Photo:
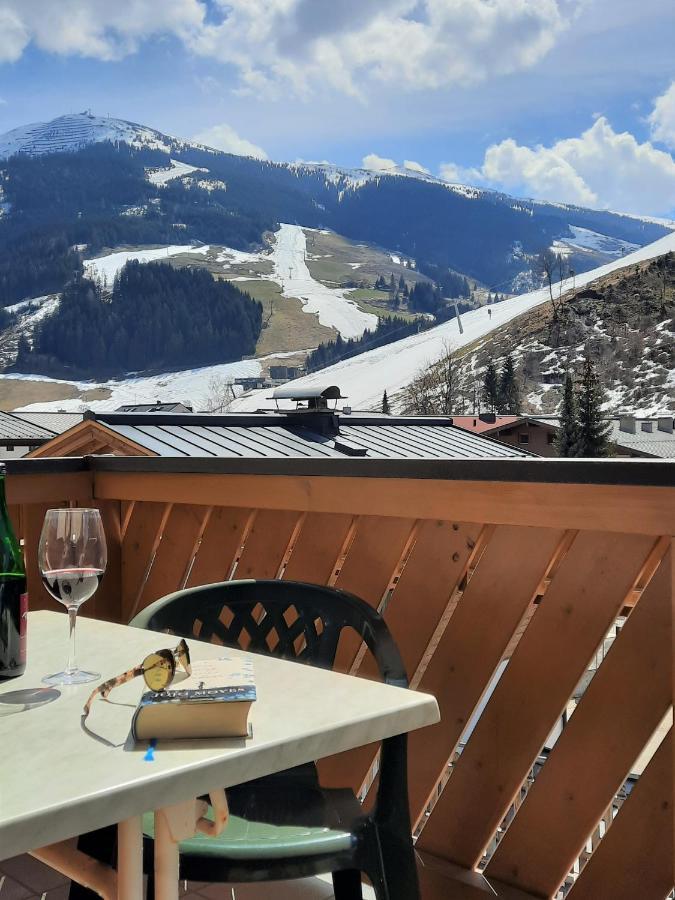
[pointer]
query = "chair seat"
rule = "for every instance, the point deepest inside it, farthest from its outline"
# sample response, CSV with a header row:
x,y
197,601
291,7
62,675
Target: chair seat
x,y
241,839
285,815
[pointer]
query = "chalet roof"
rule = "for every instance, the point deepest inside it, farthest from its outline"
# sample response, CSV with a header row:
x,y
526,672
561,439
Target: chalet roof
x,y
13,427
484,424
652,436
300,435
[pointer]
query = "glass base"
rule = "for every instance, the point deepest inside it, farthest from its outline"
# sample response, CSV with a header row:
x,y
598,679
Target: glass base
x,y
77,676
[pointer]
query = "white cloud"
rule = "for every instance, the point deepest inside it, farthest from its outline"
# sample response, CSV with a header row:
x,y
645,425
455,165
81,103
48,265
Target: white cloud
x,y
377,163
662,117
95,28
600,168
414,166
299,45
224,137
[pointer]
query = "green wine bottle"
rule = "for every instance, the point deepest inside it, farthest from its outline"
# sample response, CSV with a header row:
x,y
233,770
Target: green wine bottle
x,y
13,595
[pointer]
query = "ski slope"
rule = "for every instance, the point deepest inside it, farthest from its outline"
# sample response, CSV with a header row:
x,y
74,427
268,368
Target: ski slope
x,y
363,379
107,267
331,305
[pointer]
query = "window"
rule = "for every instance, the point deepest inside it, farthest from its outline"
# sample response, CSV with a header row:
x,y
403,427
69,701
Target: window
x,y
550,438
523,438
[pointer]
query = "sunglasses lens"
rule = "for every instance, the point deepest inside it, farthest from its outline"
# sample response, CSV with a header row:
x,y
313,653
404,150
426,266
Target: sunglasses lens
x,y
157,671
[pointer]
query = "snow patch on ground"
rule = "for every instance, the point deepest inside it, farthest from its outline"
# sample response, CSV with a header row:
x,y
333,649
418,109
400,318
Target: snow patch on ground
x,y
191,385
176,169
585,239
395,259
106,267
364,378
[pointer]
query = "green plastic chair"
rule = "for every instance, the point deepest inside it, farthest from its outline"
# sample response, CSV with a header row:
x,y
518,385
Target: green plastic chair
x,y
287,825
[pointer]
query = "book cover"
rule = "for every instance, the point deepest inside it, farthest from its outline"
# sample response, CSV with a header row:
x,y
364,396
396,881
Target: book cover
x,y
214,701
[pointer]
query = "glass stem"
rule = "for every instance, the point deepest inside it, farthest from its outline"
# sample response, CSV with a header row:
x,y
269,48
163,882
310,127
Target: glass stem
x,y
72,619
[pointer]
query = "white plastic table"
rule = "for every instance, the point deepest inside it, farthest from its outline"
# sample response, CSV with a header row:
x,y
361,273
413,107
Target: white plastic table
x,y
58,780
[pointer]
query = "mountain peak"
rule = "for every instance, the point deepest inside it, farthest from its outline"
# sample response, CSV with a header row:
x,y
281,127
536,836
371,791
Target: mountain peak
x,y
74,131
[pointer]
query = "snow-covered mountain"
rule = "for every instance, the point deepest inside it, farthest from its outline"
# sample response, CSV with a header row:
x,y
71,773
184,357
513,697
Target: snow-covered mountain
x,y
67,134
126,191
364,378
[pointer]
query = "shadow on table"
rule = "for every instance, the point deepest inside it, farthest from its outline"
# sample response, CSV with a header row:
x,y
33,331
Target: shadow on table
x,y
26,699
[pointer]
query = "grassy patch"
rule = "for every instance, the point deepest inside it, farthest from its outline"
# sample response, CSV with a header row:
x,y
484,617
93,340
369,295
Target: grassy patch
x,y
20,393
289,328
334,254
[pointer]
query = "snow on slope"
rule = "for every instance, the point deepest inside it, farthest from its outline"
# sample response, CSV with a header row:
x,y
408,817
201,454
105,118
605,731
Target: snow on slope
x,y
175,170
585,239
106,267
70,133
333,306
190,385
363,379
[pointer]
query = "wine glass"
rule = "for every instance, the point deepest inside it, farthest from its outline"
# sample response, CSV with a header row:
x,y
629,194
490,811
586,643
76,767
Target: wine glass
x,y
72,557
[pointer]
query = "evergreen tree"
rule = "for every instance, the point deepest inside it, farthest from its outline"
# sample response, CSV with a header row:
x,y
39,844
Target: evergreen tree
x,y
509,392
385,404
401,283
593,430
491,387
567,439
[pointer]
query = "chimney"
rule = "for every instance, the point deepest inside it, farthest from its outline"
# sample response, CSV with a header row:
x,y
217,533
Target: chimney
x,y
627,424
488,418
665,423
316,415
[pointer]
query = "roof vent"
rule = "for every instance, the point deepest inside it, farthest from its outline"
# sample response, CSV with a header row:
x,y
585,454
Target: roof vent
x,y
488,418
627,424
315,415
316,397
665,423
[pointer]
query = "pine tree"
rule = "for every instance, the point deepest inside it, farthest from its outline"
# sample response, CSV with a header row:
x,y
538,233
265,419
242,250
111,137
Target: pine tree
x,y
567,439
401,283
509,392
491,387
593,430
385,404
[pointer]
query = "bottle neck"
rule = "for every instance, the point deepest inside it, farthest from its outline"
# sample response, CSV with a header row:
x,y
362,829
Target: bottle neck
x,y
11,558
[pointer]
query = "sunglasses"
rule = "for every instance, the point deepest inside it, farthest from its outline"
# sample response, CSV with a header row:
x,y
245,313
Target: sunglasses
x,y
158,670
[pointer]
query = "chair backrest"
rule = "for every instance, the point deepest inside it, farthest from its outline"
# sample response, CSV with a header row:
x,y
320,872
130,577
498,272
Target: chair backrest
x,y
289,619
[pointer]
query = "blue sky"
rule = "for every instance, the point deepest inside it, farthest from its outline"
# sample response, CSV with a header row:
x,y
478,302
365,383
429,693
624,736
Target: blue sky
x,y
568,100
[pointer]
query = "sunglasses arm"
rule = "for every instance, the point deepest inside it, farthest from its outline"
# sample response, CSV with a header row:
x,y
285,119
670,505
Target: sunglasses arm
x,y
107,686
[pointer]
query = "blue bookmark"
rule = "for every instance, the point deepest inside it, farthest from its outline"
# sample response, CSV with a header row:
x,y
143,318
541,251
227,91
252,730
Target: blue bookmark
x,y
150,752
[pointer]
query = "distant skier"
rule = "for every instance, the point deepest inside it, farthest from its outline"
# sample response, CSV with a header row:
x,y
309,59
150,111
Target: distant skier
x,y
489,313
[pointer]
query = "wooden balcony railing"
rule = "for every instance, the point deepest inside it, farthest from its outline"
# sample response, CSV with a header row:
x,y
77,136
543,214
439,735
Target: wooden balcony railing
x,y
473,562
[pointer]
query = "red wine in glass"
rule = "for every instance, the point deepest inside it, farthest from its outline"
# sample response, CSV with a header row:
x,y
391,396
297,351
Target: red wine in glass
x,y
72,586
72,558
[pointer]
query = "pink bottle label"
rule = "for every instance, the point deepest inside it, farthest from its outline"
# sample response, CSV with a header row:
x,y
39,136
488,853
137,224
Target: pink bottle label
x,y
23,627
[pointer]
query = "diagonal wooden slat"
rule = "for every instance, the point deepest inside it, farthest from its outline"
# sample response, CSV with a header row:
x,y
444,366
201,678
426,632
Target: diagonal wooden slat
x,y
368,569
318,547
174,552
107,601
619,712
220,543
141,538
267,543
436,564
635,857
587,592
469,652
